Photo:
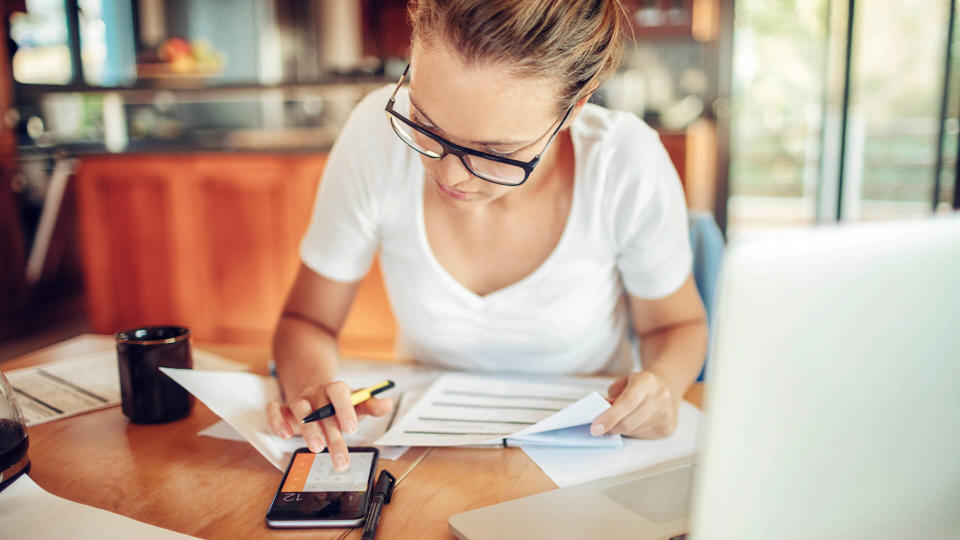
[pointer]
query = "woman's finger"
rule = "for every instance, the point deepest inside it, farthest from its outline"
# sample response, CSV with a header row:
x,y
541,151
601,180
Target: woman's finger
x,y
375,407
336,444
616,388
632,396
638,420
277,421
338,393
311,431
292,420
656,417
659,429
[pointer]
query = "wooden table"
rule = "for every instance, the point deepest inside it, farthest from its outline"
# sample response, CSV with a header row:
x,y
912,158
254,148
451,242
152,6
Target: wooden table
x,y
168,476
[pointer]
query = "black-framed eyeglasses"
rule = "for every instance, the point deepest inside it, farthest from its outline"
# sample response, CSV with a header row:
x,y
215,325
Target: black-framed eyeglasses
x,y
490,167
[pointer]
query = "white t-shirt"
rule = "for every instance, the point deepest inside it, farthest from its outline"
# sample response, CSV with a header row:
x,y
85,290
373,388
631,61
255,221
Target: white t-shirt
x,y
627,230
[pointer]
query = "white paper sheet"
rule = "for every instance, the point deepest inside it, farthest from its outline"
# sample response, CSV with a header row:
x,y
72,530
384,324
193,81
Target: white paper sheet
x,y
568,466
82,384
461,409
240,399
223,430
573,436
26,508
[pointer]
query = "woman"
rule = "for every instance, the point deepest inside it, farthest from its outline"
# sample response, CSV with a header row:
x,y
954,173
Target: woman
x,y
520,229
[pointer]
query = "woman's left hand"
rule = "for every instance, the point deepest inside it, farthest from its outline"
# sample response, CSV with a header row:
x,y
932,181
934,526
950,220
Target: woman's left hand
x,y
643,407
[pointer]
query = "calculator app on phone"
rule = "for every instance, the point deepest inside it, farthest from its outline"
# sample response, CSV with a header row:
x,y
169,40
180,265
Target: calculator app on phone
x,y
315,472
315,494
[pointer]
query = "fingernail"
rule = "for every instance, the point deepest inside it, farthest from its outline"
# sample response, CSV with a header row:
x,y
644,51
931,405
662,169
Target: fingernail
x,y
340,462
315,444
351,427
286,434
597,429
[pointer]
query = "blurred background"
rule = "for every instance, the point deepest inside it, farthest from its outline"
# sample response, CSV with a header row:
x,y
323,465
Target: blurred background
x,y
159,158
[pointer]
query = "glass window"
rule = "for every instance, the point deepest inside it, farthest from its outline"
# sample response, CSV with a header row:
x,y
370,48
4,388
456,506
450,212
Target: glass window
x,y
777,109
951,140
784,148
896,86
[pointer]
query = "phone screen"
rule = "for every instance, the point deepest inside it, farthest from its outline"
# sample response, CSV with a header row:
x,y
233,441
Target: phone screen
x,y
313,490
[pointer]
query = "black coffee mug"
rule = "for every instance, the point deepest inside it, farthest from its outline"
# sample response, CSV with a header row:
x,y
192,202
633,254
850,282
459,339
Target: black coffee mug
x,y
149,396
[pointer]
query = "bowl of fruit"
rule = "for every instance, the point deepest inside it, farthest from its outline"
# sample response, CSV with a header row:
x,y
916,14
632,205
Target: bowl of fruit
x,y
180,61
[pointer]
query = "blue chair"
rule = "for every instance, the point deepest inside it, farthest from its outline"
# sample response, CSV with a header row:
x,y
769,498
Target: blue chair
x,y
707,243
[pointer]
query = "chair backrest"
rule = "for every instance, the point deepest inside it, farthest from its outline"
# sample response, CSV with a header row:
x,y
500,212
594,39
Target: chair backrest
x,y
707,244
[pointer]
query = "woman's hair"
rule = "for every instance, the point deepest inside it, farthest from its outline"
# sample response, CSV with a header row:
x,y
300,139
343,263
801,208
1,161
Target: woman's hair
x,y
576,42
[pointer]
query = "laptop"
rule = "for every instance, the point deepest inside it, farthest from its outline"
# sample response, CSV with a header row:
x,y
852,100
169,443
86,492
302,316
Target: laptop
x,y
833,403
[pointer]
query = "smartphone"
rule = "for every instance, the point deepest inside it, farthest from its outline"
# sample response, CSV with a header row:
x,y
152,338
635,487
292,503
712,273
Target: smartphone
x,y
314,494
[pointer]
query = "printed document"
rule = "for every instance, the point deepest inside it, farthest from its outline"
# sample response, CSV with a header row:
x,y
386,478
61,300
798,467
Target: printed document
x,y
568,466
461,409
82,384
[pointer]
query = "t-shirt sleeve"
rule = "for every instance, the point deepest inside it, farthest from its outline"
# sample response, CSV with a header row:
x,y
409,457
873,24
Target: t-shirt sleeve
x,y
650,219
344,230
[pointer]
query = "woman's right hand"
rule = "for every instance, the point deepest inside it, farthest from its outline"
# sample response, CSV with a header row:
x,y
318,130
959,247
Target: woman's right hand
x,y
284,418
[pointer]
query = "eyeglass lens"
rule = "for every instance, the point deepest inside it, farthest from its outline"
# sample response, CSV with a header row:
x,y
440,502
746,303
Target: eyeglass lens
x,y
482,167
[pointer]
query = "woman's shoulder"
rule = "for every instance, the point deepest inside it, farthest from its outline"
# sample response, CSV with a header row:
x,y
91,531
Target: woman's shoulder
x,y
367,120
368,166
615,130
368,143
627,168
621,151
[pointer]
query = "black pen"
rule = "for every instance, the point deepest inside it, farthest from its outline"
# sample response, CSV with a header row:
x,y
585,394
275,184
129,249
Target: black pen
x,y
381,496
355,398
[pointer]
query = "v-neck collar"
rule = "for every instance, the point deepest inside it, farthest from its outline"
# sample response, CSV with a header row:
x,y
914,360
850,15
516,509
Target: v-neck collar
x,y
544,267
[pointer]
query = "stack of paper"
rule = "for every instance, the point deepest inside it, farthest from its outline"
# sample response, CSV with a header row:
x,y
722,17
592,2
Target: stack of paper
x,y
81,384
463,409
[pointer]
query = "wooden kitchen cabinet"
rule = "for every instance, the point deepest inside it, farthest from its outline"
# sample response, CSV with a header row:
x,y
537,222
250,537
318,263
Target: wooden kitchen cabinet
x,y
675,143
209,241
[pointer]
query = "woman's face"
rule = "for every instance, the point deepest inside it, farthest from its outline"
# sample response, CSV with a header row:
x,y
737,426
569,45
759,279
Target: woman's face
x,y
482,107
